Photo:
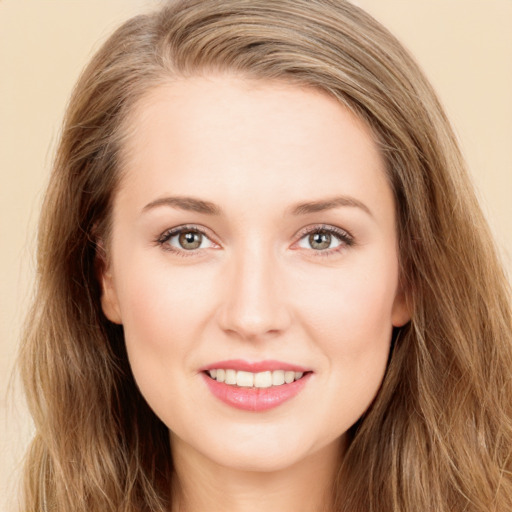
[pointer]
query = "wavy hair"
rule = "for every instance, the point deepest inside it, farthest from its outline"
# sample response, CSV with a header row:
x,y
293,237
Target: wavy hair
x,y
438,436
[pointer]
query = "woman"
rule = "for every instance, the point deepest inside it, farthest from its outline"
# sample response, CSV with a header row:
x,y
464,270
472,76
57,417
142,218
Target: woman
x,y
265,282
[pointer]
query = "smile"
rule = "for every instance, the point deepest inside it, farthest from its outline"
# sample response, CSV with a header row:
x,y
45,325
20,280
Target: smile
x,y
245,379
255,386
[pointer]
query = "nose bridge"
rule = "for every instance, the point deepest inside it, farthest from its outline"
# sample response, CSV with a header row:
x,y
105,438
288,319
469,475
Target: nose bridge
x,y
255,303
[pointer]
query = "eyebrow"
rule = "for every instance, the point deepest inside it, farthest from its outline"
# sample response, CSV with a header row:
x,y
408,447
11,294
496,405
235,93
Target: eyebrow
x,y
209,208
185,203
328,204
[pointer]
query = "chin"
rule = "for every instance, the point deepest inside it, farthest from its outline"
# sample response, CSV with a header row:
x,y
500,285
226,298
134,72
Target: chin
x,y
263,450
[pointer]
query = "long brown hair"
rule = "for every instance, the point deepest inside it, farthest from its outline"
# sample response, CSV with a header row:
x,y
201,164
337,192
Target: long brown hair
x,y
438,436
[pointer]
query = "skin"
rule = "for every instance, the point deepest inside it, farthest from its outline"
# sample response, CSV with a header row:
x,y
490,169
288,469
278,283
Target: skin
x,y
256,288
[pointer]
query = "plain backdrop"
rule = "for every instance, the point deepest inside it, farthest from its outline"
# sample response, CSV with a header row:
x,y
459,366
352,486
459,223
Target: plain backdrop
x,y
464,46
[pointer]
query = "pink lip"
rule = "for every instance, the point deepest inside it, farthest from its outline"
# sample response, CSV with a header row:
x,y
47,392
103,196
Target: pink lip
x,y
254,367
255,399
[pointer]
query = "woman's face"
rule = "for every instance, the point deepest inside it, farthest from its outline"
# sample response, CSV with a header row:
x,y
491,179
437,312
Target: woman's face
x,y
253,237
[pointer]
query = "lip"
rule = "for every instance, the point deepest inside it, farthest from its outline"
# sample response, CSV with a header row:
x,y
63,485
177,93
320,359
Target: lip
x,y
255,399
254,366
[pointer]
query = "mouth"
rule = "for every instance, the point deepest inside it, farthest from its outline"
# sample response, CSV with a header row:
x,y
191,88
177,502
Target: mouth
x,y
260,380
255,386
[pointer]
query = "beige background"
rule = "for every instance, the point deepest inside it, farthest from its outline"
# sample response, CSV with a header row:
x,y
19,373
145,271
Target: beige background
x,y
465,47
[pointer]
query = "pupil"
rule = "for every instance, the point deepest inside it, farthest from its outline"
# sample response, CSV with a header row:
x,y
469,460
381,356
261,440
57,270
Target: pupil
x,y
190,240
320,240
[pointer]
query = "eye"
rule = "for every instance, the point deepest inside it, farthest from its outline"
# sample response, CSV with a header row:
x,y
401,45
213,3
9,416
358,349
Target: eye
x,y
325,239
185,239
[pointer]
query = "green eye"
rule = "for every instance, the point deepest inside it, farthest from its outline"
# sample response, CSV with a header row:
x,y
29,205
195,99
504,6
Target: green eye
x,y
185,239
190,240
320,240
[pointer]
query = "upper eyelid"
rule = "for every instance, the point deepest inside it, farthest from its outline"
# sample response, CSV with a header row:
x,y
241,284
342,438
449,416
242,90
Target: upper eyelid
x,y
323,227
187,227
301,232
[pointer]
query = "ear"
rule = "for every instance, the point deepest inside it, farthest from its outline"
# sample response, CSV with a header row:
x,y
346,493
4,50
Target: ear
x,y
109,301
401,312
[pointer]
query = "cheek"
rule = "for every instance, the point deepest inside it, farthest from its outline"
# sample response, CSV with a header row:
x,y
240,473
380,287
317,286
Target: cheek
x,y
351,308
162,310
349,318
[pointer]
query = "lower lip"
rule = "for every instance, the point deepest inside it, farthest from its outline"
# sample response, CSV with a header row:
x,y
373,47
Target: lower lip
x,y
255,399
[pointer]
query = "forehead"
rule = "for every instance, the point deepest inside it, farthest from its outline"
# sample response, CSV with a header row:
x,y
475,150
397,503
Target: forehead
x,y
253,137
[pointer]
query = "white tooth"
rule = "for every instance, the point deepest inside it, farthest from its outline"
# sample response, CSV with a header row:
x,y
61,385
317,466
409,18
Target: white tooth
x,y
213,374
277,377
230,377
263,379
298,375
221,375
245,379
289,377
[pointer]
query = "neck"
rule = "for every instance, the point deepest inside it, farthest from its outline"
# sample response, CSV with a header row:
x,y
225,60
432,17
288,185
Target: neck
x,y
200,484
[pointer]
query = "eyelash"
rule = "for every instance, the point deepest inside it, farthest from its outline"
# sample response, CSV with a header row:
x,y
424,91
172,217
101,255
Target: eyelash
x,y
167,235
345,238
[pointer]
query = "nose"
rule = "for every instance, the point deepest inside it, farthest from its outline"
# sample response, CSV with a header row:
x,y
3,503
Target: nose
x,y
254,305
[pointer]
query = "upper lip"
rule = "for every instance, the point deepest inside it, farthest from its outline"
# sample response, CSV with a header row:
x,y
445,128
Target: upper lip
x,y
254,366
